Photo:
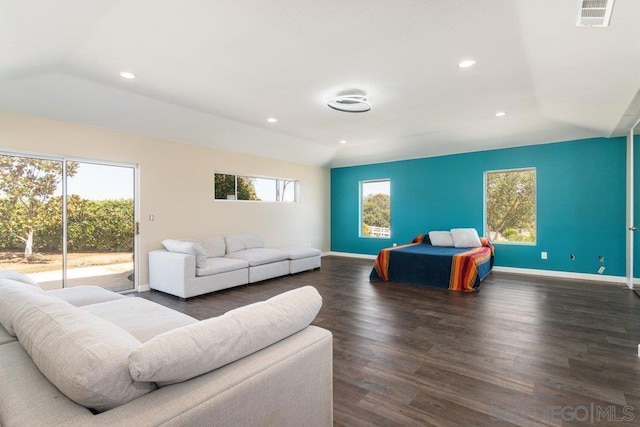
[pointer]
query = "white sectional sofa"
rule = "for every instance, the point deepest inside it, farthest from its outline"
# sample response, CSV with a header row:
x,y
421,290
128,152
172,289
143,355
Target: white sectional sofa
x,y
86,356
196,266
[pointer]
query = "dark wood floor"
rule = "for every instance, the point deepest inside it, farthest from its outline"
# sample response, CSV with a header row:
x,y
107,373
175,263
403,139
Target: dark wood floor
x,y
522,351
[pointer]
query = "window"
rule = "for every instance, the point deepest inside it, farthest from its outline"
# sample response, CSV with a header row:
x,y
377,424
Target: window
x,y
375,208
239,187
510,206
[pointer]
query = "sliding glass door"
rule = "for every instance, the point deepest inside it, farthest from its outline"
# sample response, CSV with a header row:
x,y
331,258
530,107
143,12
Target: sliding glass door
x,y
68,223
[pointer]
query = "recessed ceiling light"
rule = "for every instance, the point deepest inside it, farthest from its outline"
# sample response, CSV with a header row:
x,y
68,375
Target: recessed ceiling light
x,y
501,113
127,75
467,63
343,141
350,103
272,120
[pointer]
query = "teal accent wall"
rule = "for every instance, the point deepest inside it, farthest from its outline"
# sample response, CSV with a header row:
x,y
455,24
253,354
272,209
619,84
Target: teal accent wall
x,y
580,202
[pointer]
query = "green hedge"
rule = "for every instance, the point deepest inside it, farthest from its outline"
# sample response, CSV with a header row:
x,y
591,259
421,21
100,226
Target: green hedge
x,y
93,226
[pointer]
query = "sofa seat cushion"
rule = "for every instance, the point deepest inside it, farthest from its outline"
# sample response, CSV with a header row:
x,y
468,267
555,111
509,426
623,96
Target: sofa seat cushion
x,y
84,356
142,318
213,246
300,252
259,256
13,295
221,265
240,242
193,350
85,295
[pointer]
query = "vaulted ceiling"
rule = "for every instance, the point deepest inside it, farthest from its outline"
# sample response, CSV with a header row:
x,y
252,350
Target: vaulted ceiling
x,y
210,72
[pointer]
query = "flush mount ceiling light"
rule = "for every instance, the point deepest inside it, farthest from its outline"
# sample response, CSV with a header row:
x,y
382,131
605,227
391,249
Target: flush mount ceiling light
x,y
501,113
343,141
350,103
467,63
127,75
272,120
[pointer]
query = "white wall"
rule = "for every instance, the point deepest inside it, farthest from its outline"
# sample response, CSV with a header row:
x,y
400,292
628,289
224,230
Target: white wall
x,y
176,184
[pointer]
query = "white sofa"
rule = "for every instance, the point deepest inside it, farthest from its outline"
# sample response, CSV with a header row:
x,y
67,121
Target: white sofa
x,y
196,266
86,356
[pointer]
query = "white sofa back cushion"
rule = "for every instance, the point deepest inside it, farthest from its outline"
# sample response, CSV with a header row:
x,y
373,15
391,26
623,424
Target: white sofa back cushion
x,y
240,242
186,247
13,295
84,356
193,350
213,246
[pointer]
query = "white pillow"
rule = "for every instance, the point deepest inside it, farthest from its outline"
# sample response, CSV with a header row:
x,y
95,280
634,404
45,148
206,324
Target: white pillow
x,y
185,247
13,295
465,238
192,350
14,275
441,238
84,356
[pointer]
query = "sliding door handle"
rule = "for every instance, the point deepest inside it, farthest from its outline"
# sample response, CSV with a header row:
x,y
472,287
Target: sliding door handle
x,y
633,228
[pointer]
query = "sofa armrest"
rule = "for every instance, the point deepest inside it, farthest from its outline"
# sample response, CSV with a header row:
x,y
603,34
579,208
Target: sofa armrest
x,y
171,272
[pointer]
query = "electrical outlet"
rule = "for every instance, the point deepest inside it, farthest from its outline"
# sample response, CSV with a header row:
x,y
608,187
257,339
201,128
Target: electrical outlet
x,y
600,258
543,255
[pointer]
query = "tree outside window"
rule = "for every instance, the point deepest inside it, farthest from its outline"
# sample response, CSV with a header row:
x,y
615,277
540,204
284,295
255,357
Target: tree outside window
x,y
510,206
375,209
238,187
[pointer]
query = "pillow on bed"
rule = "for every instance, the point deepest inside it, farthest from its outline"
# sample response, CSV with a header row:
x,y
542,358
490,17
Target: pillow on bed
x,y
465,238
441,238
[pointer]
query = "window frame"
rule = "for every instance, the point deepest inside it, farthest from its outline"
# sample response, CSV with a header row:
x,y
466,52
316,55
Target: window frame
x,y
277,181
535,208
360,206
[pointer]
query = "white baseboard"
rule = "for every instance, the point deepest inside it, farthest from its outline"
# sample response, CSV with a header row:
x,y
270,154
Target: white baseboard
x,y
143,288
527,271
350,255
563,275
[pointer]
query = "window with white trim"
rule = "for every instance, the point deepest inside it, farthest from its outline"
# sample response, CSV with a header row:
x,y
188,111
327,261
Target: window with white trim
x,y
510,206
375,208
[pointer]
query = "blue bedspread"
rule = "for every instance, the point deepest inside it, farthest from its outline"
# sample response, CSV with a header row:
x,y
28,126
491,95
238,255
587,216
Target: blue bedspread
x,y
424,264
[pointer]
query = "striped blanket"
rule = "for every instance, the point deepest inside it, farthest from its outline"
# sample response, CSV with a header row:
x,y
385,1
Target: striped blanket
x,y
458,269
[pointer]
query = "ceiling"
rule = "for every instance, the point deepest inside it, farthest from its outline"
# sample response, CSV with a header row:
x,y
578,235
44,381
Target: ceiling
x,y
210,72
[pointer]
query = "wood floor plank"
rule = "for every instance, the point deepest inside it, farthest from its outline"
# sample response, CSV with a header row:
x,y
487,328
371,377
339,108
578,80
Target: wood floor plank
x,y
519,352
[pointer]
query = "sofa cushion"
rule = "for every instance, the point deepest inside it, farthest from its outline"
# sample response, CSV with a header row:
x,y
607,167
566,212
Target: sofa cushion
x,y
19,277
85,295
13,295
84,356
185,247
300,252
193,350
213,246
5,337
221,265
140,317
259,256
240,242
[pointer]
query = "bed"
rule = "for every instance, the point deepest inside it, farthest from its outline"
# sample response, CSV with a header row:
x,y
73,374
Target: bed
x,y
421,263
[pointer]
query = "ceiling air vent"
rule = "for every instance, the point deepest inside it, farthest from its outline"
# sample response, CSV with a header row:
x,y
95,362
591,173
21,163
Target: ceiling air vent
x,y
594,13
